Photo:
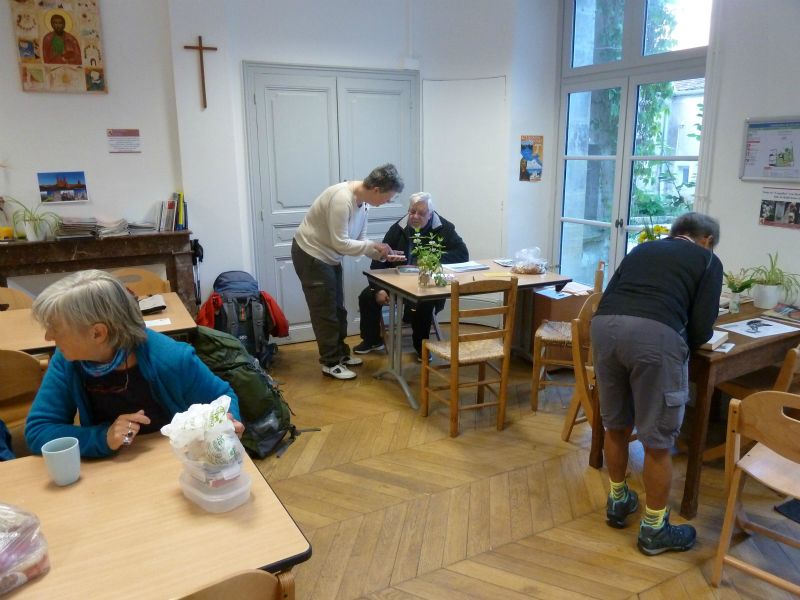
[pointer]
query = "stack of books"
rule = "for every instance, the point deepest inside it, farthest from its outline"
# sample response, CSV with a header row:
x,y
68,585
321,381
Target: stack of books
x,y
112,228
77,227
172,214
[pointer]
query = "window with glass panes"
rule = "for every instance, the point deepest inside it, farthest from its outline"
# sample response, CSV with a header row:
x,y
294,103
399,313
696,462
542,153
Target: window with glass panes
x,y
631,122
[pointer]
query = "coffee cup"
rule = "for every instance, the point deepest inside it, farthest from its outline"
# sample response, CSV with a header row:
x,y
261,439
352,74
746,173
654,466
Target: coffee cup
x,y
63,459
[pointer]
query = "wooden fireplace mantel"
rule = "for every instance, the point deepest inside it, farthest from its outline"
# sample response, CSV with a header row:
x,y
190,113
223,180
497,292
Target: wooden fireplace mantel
x,y
171,249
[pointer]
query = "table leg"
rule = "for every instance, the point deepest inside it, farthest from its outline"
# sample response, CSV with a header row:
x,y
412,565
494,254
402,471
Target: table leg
x,y
395,358
705,378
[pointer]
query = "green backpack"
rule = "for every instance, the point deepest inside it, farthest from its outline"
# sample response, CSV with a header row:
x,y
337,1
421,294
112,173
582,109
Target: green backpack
x,y
265,414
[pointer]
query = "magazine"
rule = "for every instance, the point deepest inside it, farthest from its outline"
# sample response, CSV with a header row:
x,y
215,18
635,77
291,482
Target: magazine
x,y
784,312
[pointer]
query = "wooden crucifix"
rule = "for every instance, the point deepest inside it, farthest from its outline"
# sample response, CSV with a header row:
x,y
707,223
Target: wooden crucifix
x,y
200,49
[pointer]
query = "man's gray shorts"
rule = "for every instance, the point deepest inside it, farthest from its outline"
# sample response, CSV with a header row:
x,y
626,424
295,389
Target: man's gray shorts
x,y
642,369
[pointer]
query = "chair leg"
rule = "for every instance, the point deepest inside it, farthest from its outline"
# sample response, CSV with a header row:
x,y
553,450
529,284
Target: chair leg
x,y
727,526
453,399
501,399
481,377
571,416
536,376
424,377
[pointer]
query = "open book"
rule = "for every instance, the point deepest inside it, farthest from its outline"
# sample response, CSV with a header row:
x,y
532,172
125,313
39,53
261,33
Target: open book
x,y
152,304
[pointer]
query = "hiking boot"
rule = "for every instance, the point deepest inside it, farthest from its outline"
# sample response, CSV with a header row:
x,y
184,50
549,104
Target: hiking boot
x,y
668,537
618,510
339,372
366,347
351,361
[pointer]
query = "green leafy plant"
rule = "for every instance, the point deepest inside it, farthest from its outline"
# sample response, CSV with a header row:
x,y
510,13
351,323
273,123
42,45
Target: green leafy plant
x,y
772,274
738,282
428,250
36,218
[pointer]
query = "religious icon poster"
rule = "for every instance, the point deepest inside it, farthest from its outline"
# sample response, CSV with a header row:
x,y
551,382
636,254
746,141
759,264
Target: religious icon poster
x,y
59,45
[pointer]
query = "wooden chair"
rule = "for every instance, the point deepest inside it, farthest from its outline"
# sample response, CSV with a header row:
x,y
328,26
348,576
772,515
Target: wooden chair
x,y
774,461
554,334
141,281
582,366
777,378
471,349
20,377
14,299
246,585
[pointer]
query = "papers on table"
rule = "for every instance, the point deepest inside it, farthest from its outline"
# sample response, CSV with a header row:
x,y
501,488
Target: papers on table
x,y
577,289
462,267
504,262
157,322
758,328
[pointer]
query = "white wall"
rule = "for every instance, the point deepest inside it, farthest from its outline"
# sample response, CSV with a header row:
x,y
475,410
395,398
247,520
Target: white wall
x,y
758,76
67,132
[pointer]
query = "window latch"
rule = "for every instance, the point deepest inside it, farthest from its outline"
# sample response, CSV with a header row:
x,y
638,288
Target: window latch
x,y
619,223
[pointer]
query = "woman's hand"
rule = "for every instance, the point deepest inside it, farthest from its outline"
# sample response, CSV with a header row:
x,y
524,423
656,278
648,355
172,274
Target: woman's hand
x,y
238,427
124,429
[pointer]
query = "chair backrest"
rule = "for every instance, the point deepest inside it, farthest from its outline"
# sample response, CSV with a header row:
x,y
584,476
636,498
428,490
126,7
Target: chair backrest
x,y
247,585
141,281
20,377
506,310
14,298
789,370
582,343
599,275
763,417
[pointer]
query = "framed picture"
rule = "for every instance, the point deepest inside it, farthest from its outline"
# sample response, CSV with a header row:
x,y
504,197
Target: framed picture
x,y
62,186
769,147
59,45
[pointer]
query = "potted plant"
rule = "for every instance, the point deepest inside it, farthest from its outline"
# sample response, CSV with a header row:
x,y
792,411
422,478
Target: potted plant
x,y
770,280
737,283
37,223
428,250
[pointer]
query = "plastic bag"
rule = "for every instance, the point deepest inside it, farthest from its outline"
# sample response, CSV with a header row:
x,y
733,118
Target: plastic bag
x,y
204,439
529,261
23,549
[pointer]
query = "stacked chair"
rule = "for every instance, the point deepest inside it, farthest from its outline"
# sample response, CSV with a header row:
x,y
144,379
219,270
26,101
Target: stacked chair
x,y
550,335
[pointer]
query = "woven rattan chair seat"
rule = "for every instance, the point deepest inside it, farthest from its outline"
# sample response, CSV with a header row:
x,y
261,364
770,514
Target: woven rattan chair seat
x,y
469,352
555,332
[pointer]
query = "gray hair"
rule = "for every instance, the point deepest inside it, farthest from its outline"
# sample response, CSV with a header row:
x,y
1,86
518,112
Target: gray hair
x,y
88,297
697,226
421,197
384,179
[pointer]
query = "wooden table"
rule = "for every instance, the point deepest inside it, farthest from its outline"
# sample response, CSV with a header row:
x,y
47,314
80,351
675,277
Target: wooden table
x,y
706,370
125,530
20,331
404,288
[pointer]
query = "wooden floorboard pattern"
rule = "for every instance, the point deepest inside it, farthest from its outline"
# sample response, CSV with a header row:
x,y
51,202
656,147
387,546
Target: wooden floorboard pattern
x,y
395,509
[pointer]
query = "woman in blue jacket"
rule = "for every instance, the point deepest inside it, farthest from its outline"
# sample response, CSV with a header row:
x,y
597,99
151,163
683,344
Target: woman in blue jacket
x,y
121,378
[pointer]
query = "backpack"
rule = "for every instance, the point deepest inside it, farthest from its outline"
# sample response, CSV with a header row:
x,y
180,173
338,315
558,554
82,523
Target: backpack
x,y
244,314
265,414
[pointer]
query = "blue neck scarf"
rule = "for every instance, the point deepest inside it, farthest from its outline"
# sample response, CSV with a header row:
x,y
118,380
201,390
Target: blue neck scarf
x,y
95,369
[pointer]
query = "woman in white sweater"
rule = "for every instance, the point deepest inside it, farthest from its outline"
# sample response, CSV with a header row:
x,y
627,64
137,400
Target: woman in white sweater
x,y
336,226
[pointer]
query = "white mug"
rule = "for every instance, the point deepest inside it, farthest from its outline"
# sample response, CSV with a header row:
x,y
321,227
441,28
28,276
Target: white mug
x,y
63,459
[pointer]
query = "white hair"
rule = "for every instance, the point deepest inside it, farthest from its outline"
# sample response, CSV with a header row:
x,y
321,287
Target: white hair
x,y
421,197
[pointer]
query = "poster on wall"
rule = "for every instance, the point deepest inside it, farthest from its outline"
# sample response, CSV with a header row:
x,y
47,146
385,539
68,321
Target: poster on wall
x,y
531,148
769,146
59,45
780,207
62,186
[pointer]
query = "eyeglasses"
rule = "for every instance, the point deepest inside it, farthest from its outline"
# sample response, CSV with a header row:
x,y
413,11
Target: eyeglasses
x,y
95,386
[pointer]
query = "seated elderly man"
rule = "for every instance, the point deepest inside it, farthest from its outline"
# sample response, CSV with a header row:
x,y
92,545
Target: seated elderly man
x,y
424,219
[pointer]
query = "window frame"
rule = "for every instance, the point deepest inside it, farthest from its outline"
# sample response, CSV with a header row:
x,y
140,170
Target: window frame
x,y
633,70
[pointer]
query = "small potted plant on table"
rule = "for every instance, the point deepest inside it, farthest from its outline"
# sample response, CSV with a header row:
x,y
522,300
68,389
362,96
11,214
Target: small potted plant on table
x,y
737,283
37,224
428,250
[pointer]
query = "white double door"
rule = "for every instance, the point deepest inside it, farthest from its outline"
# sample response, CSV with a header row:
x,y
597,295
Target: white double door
x,y
307,129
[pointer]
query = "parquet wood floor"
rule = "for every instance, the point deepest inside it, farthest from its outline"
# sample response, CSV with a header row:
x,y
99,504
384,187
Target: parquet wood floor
x,y
397,510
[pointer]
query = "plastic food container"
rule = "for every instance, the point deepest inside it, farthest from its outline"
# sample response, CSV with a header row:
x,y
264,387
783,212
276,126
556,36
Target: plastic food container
x,y
216,499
